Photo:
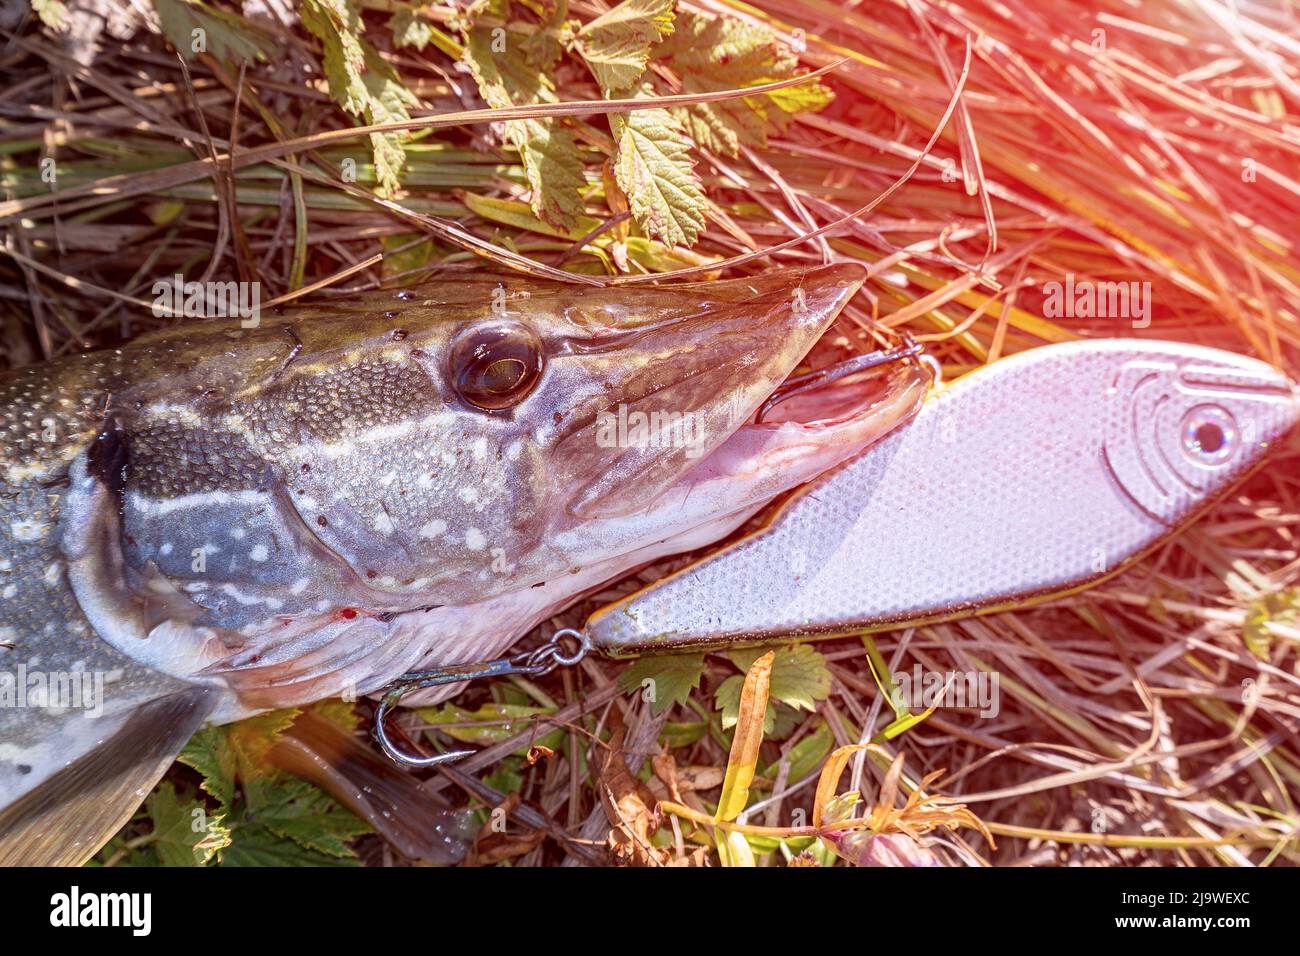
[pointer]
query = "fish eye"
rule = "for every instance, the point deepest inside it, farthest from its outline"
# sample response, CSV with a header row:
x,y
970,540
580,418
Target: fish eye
x,y
496,366
1209,435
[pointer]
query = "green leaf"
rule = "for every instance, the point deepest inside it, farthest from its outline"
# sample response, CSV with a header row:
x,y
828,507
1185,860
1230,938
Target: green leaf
x,y
1281,607
194,28
519,215
52,13
183,832
336,710
298,811
409,29
807,755
492,723
616,45
722,53
209,752
506,77
252,739
256,845
408,260
671,678
800,677
654,168
676,735
362,82
553,166
220,754
727,699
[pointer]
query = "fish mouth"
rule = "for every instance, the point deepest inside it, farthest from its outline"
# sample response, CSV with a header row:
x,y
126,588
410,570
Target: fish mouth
x,y
754,437
805,436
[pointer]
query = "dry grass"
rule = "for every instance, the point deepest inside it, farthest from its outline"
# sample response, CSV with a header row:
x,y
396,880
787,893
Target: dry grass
x,y
1154,141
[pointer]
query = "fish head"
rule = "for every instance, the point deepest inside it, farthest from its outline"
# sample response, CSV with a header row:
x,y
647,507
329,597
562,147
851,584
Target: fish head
x,y
308,489
1183,423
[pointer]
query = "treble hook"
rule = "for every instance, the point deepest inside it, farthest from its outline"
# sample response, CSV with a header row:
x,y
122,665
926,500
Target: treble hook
x,y
831,373
534,663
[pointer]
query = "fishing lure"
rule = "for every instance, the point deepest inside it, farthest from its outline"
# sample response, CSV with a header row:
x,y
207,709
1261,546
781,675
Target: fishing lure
x,y
1033,477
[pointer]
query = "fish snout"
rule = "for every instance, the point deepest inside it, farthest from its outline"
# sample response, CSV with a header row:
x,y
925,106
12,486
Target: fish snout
x,y
648,407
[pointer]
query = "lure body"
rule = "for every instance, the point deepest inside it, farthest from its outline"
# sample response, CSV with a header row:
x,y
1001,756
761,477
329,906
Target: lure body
x,y
1037,475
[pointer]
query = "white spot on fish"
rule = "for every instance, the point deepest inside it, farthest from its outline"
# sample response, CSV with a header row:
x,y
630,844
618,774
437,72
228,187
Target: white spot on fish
x,y
51,574
250,600
300,585
475,540
166,549
431,529
479,449
28,530
388,479
199,500
468,495
237,533
515,449
9,591
258,553
383,523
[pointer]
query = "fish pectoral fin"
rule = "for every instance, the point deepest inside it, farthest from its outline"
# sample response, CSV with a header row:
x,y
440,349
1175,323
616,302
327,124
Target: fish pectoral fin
x,y
64,820
391,800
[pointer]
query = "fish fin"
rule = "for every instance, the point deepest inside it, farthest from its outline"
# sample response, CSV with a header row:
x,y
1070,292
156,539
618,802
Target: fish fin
x,y
391,800
65,819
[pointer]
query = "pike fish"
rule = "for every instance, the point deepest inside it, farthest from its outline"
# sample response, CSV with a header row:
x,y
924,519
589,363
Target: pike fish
x,y
216,520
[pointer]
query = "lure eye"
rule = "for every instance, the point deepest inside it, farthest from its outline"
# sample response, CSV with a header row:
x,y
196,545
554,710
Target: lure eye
x,y
497,366
1209,435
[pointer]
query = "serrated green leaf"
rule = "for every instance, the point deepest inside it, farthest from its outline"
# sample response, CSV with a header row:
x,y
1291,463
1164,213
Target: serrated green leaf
x,y
670,677
616,45
362,82
183,832
298,811
553,166
653,166
209,752
252,739
800,677
723,53
256,845
193,28
410,29
552,162
220,754
342,713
